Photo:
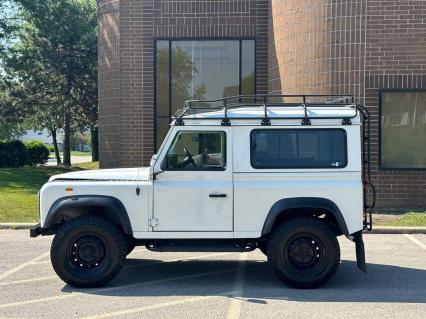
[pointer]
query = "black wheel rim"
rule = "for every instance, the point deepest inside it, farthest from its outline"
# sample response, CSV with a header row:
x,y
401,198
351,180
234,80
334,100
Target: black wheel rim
x,y
87,252
304,252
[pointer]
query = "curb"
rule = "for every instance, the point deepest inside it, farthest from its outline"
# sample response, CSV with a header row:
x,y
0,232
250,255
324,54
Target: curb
x,y
397,230
17,225
375,230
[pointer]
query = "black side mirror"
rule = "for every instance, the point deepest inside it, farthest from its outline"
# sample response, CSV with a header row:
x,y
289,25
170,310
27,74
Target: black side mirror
x,y
163,164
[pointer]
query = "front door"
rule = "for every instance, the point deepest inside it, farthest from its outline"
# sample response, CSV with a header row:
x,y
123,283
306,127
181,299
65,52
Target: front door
x,y
195,191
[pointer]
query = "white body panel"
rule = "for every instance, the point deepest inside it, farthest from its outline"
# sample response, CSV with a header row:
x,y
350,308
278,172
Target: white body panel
x,y
137,207
180,199
342,186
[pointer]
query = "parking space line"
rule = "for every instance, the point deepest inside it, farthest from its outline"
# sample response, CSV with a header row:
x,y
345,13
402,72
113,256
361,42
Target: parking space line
x,y
17,282
24,281
40,262
234,309
416,241
151,307
108,289
22,266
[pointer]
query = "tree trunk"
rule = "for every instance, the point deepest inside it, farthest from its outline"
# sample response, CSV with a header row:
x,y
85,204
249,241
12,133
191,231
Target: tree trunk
x,y
67,138
95,143
55,146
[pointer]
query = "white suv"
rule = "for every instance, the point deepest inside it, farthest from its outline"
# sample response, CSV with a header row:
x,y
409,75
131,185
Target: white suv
x,y
233,174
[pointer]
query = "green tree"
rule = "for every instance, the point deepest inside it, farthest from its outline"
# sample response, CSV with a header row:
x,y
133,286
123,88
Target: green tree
x,y
59,38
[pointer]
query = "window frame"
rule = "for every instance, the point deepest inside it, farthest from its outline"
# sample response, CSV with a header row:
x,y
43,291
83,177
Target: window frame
x,y
225,157
170,40
301,130
380,153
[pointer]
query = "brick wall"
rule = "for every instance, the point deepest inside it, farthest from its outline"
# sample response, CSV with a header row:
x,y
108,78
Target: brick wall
x,y
356,47
310,46
395,58
108,81
316,47
140,22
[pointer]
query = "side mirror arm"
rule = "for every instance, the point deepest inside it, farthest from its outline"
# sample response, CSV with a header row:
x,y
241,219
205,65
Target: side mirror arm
x,y
154,174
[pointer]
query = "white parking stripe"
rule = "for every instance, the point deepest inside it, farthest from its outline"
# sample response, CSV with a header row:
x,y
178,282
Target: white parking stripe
x,y
17,282
234,309
22,266
416,241
40,262
108,289
151,307
24,281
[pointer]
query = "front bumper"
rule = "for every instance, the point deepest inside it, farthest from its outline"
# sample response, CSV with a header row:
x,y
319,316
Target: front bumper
x,y
36,230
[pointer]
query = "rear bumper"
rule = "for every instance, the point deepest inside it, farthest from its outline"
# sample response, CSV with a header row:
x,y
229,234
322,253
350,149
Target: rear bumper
x,y
36,231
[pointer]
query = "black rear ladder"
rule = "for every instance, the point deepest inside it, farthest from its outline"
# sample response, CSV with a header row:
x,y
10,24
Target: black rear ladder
x,y
366,169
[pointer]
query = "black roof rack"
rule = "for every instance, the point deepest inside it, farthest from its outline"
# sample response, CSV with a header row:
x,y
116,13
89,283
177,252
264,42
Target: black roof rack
x,y
268,101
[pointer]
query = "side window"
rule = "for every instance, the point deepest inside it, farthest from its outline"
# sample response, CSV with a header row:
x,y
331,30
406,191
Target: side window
x,y
197,151
286,148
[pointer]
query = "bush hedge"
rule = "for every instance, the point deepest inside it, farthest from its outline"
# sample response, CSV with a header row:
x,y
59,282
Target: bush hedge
x,y
37,153
18,154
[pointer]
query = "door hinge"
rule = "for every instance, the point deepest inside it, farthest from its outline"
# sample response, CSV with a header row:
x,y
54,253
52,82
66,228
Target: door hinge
x,y
153,222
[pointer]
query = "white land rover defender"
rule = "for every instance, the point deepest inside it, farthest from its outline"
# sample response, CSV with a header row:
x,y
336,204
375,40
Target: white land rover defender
x,y
285,174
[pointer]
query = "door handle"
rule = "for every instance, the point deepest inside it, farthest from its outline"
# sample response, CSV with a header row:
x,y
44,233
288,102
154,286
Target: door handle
x,y
217,195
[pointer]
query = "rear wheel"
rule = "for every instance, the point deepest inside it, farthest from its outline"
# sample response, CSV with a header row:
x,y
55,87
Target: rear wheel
x,y
88,251
304,252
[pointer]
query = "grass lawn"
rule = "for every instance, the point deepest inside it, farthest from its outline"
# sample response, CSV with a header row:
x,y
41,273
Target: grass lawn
x,y
408,219
19,188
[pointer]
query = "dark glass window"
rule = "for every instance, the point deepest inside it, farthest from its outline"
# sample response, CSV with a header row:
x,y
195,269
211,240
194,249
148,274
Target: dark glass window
x,y
200,69
201,151
286,148
403,130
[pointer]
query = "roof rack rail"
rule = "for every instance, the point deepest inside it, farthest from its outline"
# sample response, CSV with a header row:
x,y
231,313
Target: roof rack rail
x,y
268,101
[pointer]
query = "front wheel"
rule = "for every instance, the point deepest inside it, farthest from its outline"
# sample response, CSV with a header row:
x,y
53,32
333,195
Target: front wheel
x,y
88,251
304,252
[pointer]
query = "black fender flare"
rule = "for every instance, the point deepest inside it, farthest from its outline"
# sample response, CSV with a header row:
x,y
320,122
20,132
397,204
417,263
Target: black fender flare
x,y
89,201
284,204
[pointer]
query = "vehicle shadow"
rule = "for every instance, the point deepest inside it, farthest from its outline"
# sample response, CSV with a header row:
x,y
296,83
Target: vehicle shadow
x,y
382,283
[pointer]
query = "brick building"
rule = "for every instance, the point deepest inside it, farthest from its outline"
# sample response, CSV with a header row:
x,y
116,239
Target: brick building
x,y
153,54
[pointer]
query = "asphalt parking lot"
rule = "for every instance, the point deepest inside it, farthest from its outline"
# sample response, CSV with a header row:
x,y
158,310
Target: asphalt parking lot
x,y
216,285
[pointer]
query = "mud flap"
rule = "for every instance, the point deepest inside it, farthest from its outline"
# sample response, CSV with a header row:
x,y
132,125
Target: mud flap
x,y
360,252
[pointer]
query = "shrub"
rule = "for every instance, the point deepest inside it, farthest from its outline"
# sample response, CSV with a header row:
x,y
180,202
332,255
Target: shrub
x,y
51,148
38,153
13,154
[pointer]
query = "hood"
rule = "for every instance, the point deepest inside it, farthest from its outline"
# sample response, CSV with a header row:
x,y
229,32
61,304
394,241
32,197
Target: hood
x,y
141,174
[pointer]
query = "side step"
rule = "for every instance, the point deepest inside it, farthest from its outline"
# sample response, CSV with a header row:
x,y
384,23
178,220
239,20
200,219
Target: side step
x,y
210,245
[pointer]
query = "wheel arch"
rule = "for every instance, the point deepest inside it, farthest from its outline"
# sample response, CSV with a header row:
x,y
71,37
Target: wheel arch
x,y
66,208
304,206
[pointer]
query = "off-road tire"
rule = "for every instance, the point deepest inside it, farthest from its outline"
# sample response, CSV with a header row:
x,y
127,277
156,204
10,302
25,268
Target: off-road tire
x,y
304,252
97,242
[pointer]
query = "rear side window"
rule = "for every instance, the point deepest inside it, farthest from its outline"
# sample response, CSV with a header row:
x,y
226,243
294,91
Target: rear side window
x,y
302,148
